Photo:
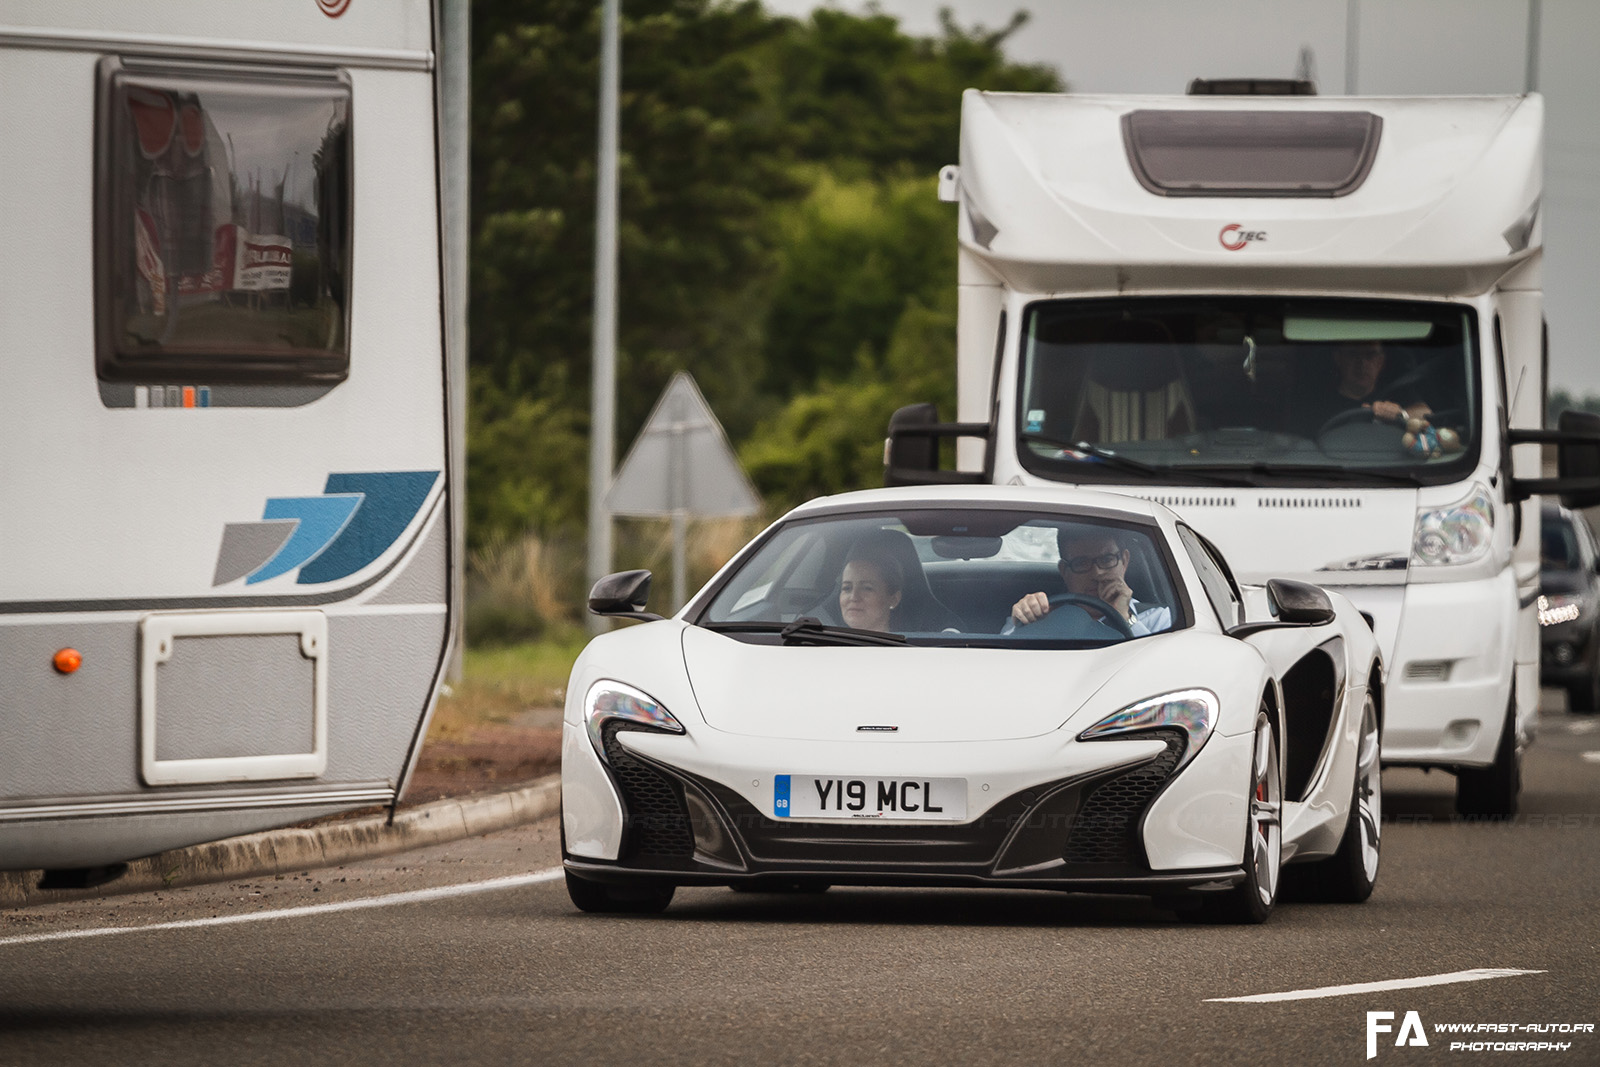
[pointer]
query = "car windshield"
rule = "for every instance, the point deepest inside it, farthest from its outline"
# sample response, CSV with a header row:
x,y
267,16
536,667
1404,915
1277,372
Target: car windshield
x,y
1249,391
952,577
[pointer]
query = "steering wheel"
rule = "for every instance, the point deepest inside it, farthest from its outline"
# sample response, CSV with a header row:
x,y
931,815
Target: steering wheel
x,y
1111,618
1351,417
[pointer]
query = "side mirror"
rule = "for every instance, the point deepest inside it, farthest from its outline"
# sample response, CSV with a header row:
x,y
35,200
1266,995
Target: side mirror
x,y
1577,441
907,452
911,451
1294,604
1579,456
1299,602
622,595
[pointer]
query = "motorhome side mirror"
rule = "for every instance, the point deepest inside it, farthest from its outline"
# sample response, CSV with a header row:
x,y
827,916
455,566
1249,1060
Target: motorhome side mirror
x,y
1579,458
1299,602
912,452
623,595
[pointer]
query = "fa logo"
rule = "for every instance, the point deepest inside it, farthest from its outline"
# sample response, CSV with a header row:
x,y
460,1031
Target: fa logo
x,y
1411,1032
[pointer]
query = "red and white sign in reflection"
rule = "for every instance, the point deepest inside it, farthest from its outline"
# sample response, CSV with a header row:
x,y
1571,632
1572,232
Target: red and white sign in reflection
x,y
262,261
241,260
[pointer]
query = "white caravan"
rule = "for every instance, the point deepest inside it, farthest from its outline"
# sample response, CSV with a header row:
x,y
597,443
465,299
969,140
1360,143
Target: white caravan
x,y
225,541
1313,326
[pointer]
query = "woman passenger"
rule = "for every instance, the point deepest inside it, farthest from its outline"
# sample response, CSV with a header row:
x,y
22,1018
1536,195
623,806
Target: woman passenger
x,y
869,590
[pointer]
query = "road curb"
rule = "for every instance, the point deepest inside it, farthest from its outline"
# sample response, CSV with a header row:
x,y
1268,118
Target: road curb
x,y
302,848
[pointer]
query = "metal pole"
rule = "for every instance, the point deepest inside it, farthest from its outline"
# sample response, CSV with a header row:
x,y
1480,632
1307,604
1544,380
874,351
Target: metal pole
x,y
1532,67
1352,44
454,167
679,473
603,382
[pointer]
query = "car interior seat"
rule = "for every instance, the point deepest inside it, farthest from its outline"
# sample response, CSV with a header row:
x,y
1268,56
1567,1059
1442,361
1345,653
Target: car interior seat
x,y
1133,393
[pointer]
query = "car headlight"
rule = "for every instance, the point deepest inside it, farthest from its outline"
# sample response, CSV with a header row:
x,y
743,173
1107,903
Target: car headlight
x,y
1460,533
608,700
1194,711
1559,608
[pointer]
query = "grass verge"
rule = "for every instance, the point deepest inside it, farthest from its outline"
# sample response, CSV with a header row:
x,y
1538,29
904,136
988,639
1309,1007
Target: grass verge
x,y
499,684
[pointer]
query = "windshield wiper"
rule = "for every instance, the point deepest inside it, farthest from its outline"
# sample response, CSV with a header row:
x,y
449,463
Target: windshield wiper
x,y
809,631
1315,470
1117,461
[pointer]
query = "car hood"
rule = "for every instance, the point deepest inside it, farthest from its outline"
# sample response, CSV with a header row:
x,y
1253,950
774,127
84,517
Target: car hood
x,y
820,693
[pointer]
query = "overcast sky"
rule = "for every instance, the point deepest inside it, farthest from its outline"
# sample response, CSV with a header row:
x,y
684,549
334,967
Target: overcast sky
x,y
1403,47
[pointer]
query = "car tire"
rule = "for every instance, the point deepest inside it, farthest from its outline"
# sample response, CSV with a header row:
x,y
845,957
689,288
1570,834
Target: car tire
x,y
1493,790
1348,875
592,896
1252,900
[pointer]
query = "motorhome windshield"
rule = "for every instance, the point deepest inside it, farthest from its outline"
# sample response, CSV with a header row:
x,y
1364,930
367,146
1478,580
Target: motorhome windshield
x,y
1249,390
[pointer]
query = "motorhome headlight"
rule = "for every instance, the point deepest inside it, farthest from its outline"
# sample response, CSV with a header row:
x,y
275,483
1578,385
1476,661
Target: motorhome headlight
x,y
1460,533
1558,608
607,700
1194,711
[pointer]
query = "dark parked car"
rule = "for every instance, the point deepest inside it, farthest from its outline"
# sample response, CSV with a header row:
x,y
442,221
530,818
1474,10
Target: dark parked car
x,y
1569,607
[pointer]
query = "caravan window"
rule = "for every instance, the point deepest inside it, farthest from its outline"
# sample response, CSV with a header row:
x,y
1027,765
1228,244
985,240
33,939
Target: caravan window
x,y
223,225
1250,390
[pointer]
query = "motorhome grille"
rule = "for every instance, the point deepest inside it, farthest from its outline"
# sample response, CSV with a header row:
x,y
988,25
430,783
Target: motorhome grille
x,y
1106,828
1308,502
658,819
1193,501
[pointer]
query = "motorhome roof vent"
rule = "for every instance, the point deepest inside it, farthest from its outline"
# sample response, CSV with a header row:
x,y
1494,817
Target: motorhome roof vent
x,y
1252,87
1251,153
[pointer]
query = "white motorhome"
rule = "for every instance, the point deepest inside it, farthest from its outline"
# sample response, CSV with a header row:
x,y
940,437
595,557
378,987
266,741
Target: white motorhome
x,y
225,536
1311,325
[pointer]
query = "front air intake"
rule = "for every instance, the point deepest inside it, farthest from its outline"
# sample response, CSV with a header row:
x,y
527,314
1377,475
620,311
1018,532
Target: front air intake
x,y
655,814
1106,826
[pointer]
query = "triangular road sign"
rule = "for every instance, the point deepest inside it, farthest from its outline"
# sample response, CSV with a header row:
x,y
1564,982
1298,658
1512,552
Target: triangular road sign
x,y
681,461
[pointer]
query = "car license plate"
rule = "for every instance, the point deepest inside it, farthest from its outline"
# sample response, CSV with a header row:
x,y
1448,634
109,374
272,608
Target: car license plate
x,y
805,796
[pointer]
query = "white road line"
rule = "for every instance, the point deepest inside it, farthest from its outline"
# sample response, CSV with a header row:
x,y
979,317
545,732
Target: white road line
x,y
1583,726
414,896
1478,975
1590,757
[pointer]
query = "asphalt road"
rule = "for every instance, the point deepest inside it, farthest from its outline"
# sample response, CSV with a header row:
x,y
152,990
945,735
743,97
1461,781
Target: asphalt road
x,y
456,972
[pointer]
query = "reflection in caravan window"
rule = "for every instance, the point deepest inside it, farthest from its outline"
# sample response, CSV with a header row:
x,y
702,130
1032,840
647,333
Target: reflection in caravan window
x,y
223,234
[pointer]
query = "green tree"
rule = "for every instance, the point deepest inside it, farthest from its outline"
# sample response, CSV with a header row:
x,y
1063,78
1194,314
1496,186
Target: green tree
x,y
851,255
854,91
780,238
698,171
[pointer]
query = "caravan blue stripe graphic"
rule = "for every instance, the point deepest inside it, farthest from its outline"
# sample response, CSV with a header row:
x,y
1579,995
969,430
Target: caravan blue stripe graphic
x,y
357,519
390,501
321,520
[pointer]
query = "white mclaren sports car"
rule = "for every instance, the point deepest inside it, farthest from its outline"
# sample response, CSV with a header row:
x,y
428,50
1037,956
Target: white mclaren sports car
x,y
976,686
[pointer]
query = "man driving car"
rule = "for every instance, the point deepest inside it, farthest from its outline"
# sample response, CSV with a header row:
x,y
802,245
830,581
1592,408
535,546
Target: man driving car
x,y
1093,564
1359,365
